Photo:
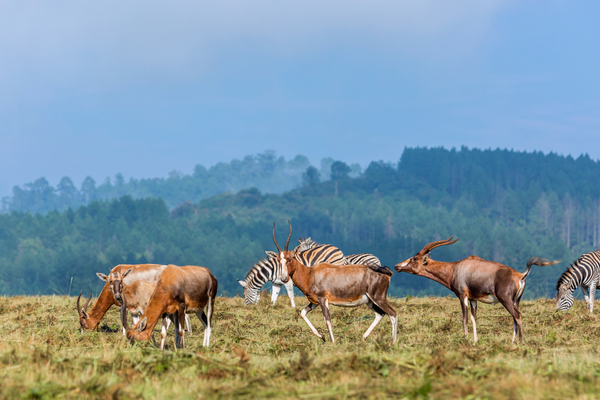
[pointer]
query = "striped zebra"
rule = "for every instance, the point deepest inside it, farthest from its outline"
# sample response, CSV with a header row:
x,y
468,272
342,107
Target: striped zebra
x,y
352,259
269,270
584,272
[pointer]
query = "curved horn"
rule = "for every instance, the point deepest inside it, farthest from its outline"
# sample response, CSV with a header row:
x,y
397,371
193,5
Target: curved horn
x,y
124,312
289,237
88,301
275,240
79,306
439,243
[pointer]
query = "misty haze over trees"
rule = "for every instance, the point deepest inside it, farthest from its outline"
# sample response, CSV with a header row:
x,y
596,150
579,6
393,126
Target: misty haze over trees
x,y
265,171
504,206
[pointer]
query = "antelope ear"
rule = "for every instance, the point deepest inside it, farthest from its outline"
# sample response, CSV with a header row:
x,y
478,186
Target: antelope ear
x,y
102,276
84,314
426,258
142,325
126,273
272,254
243,283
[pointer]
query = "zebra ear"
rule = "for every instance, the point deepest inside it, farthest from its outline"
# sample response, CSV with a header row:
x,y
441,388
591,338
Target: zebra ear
x,y
243,283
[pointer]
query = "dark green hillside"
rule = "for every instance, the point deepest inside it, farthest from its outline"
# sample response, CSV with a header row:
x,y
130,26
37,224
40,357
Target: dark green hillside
x,y
504,206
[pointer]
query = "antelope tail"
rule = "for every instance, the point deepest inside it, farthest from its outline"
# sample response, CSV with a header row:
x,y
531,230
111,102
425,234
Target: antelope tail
x,y
381,270
540,262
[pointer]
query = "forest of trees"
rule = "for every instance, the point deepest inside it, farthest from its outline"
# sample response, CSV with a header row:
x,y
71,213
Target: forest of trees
x,y
504,206
264,171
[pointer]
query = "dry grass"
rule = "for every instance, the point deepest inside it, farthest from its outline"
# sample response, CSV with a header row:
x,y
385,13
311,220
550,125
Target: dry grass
x,y
266,351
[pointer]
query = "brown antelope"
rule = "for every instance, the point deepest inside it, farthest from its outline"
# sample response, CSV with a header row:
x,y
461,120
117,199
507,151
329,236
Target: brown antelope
x,y
138,293
475,279
343,286
179,290
89,320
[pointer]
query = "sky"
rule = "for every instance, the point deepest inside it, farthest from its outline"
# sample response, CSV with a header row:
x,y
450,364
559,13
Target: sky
x,y
143,88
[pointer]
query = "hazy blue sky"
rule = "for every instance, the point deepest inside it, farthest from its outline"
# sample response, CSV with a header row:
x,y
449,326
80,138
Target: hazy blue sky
x,y
145,87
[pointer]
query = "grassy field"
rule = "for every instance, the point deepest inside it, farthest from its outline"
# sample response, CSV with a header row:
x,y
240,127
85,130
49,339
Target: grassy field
x,y
264,351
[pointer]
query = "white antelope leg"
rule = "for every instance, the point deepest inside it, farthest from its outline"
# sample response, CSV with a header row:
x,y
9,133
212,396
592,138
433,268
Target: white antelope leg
x,y
325,308
473,311
305,311
376,321
394,321
275,292
188,323
289,288
206,322
163,331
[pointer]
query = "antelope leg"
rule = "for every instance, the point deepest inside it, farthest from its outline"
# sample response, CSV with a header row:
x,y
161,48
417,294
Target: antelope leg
x,y
305,311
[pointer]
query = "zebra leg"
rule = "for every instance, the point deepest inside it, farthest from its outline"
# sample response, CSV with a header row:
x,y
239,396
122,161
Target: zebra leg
x,y
586,294
289,288
275,292
592,296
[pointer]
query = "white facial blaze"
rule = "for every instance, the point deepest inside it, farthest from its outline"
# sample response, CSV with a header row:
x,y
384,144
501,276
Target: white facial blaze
x,y
284,270
404,264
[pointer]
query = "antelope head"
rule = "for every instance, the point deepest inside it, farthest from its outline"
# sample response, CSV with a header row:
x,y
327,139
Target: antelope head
x,y
115,281
83,315
414,264
285,256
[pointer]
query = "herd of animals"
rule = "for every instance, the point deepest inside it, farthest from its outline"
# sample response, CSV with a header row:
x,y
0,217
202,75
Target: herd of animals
x,y
154,293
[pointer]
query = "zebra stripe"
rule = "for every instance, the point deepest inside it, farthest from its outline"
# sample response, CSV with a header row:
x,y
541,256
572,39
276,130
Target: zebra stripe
x,y
269,270
584,272
353,259
363,259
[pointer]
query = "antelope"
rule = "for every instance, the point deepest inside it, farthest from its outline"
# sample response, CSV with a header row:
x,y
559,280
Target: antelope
x,y
475,279
89,320
138,293
179,290
343,286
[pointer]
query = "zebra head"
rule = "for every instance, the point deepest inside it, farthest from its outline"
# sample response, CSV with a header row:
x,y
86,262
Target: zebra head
x,y
251,294
564,299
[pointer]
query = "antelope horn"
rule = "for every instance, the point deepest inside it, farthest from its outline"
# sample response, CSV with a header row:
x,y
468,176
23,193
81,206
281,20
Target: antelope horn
x,y
79,306
119,270
88,301
289,237
439,243
124,312
274,239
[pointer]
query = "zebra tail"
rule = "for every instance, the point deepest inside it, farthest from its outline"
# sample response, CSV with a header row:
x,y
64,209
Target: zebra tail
x,y
381,270
540,262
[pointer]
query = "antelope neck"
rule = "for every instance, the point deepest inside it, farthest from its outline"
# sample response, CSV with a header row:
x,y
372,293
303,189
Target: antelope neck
x,y
441,272
300,275
103,303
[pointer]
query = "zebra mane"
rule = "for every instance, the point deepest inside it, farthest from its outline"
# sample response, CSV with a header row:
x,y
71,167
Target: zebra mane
x,y
571,275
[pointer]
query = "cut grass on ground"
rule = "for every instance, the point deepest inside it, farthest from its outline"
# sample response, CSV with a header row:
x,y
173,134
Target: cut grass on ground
x,y
265,351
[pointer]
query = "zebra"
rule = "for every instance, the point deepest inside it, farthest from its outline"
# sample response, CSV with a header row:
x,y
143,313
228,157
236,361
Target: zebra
x,y
584,272
269,270
352,259
363,259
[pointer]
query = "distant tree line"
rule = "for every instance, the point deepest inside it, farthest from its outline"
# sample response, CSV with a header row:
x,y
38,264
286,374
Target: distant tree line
x,y
504,206
265,171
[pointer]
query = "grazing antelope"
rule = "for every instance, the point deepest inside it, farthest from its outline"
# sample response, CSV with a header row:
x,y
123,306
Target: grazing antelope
x,y
179,291
89,320
269,269
138,293
344,286
584,273
475,279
